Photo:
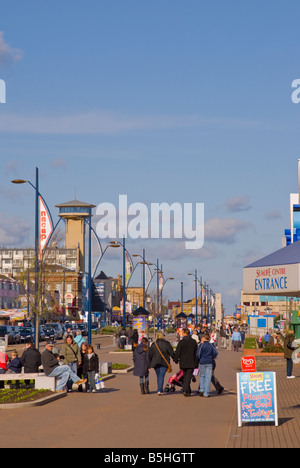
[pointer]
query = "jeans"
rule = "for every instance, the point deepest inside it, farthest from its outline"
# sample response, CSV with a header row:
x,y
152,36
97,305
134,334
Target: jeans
x,y
205,378
160,375
74,368
63,373
91,380
144,379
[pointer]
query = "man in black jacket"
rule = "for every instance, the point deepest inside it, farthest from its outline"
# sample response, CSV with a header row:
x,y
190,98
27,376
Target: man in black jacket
x,y
31,360
186,355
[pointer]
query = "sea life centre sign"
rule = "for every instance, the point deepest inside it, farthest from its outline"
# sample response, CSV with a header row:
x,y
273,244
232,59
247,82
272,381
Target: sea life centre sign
x,y
272,280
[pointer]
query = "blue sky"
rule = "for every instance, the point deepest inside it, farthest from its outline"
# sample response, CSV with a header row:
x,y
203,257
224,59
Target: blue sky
x,y
163,101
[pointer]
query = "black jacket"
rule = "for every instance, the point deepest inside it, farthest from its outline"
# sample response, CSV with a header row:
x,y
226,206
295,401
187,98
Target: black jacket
x,y
186,353
90,364
31,360
155,357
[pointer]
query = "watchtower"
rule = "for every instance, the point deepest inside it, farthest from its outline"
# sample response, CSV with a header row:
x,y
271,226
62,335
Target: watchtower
x,y
74,213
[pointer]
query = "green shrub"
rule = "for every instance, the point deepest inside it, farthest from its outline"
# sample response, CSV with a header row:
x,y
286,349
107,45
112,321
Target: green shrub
x,y
273,349
250,343
108,330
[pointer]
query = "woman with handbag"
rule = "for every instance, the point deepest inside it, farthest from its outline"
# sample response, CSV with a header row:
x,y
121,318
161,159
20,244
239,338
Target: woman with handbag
x,y
159,355
72,357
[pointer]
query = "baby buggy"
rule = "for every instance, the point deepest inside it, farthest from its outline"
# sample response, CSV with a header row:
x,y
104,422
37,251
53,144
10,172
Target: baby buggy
x,y
176,380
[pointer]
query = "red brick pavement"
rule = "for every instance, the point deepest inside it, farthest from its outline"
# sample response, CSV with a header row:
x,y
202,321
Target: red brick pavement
x,y
121,417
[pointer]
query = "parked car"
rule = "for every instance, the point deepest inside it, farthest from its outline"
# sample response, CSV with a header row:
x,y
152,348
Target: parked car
x,y
16,331
27,333
83,328
49,333
59,333
8,330
42,334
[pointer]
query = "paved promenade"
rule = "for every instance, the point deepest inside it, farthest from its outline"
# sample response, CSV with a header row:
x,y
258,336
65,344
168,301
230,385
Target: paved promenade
x,y
120,417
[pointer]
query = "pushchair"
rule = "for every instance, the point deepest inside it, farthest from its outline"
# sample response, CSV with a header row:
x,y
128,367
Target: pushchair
x,y
176,380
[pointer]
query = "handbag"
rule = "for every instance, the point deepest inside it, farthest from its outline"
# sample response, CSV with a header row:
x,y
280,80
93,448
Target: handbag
x,y
169,369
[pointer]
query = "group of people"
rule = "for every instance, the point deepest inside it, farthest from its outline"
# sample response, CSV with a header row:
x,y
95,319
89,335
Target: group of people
x,y
74,363
188,354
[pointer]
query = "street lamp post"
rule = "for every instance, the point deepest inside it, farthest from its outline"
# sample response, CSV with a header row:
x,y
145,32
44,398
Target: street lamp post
x,y
196,292
36,243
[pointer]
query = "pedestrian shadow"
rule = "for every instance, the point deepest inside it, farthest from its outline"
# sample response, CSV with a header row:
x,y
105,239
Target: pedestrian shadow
x,y
108,390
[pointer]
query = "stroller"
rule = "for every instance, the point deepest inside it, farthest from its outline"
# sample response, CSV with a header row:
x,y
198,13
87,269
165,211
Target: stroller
x,y
176,380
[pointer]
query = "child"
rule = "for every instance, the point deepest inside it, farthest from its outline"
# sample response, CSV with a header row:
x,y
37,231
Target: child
x,y
14,367
90,367
141,365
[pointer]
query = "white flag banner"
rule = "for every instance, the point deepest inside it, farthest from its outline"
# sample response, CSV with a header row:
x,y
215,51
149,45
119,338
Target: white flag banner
x,y
46,227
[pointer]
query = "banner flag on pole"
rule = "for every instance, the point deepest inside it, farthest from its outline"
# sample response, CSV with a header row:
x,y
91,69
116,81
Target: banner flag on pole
x,y
46,227
128,267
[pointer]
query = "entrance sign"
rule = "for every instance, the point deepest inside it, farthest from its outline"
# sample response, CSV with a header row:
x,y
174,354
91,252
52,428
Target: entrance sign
x,y
248,364
280,280
257,397
277,274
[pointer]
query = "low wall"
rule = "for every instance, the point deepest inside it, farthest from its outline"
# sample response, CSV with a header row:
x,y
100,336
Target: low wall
x,y
266,361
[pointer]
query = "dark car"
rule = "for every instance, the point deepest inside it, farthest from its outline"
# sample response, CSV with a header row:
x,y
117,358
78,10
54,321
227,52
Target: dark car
x,y
7,330
83,328
16,331
49,332
26,333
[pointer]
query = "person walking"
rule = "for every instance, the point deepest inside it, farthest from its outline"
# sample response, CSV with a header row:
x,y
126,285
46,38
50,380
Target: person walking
x,y
141,365
90,367
288,352
160,353
72,356
53,369
223,336
79,339
206,355
236,339
186,355
31,360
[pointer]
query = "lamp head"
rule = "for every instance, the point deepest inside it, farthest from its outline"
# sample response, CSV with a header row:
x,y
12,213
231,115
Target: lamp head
x,y
19,181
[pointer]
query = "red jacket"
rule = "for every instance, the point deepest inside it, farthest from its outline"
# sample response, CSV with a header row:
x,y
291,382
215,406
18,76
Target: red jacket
x,y
3,361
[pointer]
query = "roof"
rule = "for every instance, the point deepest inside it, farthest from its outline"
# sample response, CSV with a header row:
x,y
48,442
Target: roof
x,y
75,203
285,256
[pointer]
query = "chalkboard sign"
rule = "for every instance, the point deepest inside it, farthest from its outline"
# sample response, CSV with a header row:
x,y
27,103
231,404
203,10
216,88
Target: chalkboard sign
x,y
257,397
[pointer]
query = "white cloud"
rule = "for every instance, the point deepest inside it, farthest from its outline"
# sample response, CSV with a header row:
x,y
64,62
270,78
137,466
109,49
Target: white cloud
x,y
271,215
239,203
107,123
7,53
14,231
223,230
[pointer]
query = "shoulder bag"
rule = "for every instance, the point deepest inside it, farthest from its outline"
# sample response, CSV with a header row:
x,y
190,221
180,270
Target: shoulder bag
x,y
169,369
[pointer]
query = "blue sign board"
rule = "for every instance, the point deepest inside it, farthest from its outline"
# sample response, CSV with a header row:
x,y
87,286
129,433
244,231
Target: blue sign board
x,y
257,397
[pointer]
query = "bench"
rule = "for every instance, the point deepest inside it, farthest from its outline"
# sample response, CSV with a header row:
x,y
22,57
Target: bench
x,y
42,382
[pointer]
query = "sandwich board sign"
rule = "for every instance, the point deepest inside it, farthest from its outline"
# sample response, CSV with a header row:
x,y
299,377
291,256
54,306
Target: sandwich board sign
x,y
257,397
